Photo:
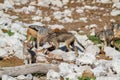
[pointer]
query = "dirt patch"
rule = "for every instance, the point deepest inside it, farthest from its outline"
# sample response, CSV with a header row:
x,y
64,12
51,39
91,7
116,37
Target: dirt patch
x,y
10,62
1,1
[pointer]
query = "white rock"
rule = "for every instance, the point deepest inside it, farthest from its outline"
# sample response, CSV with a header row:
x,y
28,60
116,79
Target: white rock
x,y
56,26
104,1
19,36
116,66
69,56
36,18
41,59
35,78
15,27
58,15
29,77
5,23
57,51
21,77
115,12
112,53
115,1
99,71
3,52
90,7
116,5
108,78
85,59
24,1
92,49
37,23
1,6
84,19
79,10
11,78
67,12
57,3
52,75
44,3
3,42
8,4
16,45
66,20
31,8
65,1
47,18
71,76
65,69
4,77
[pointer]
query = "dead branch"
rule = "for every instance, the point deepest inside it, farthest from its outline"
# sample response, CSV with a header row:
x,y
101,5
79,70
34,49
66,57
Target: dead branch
x,y
26,69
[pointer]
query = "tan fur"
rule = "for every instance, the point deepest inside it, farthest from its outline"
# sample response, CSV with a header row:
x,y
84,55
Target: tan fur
x,y
59,37
117,33
106,36
35,34
116,29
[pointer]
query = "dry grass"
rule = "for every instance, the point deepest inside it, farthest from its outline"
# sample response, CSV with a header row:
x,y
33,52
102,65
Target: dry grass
x,y
1,1
12,61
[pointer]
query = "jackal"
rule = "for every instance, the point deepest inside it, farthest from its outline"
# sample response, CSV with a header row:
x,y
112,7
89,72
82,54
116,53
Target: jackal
x,y
106,36
116,29
38,32
29,56
66,37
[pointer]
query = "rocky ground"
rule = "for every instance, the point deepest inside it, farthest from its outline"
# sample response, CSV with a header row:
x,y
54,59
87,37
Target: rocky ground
x,y
84,16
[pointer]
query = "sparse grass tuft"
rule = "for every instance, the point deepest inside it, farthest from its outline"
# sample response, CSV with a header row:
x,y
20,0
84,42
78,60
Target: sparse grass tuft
x,y
86,78
9,32
94,39
117,41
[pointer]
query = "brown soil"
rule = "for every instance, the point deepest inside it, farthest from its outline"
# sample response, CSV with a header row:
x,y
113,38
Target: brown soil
x,y
12,61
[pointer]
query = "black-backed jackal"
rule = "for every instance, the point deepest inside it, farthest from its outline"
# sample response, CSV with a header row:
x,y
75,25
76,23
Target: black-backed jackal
x,y
38,32
57,37
106,36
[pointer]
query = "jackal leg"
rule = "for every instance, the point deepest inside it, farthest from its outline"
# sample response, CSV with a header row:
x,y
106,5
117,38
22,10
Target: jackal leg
x,y
67,42
28,38
56,44
38,40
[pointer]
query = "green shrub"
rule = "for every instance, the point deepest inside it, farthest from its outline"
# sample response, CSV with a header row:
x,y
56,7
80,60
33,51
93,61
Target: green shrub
x,y
117,41
86,78
9,32
94,39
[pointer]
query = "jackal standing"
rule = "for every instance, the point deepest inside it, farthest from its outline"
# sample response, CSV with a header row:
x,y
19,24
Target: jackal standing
x,y
38,32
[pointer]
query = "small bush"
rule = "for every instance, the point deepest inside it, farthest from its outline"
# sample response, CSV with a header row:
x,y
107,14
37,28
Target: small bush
x,y
117,41
86,78
9,32
94,39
